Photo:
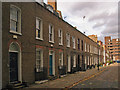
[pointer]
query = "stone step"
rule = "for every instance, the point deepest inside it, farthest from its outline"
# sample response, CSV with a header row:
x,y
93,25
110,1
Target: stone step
x,y
15,85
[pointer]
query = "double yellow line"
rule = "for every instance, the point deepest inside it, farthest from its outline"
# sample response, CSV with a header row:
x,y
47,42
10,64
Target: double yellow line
x,y
74,84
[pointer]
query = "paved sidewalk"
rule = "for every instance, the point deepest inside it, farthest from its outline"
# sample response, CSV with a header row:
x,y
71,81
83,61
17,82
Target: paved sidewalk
x,y
70,79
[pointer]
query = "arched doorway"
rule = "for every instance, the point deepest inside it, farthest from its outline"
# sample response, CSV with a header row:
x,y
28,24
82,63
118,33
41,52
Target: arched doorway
x,y
15,62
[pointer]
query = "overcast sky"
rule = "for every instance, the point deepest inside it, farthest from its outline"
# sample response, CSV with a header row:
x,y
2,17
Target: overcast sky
x,y
101,18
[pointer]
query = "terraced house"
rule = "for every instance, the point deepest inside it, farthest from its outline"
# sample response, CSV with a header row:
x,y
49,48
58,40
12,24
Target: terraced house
x,y
38,44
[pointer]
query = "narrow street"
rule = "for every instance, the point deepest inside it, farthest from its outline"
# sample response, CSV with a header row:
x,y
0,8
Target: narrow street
x,y
107,79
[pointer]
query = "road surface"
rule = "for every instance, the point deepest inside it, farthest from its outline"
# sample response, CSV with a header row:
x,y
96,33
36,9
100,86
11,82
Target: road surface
x,y
106,79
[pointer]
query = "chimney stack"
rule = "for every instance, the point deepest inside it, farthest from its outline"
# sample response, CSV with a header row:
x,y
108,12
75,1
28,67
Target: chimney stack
x,y
53,3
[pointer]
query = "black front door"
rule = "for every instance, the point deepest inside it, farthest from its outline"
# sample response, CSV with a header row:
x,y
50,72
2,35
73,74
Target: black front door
x,y
78,62
13,66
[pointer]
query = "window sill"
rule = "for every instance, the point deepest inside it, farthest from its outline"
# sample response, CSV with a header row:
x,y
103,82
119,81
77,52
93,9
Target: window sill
x,y
51,42
39,39
68,46
74,48
15,33
60,44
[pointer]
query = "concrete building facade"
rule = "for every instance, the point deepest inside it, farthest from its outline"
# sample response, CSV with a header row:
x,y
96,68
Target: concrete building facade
x,y
37,44
114,47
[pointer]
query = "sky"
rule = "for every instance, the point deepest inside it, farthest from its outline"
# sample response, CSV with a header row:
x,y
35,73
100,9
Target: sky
x,y
101,16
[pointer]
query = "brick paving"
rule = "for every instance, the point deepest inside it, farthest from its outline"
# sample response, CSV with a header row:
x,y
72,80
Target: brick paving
x,y
69,79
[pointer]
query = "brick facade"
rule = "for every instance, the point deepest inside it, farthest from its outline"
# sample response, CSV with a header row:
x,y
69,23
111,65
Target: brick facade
x,y
86,55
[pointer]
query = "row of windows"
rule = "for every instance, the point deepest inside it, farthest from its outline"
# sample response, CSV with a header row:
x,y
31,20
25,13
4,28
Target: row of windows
x,y
39,60
15,26
114,46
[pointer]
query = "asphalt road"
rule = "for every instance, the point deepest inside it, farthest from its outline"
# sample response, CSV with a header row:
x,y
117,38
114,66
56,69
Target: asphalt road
x,y
106,79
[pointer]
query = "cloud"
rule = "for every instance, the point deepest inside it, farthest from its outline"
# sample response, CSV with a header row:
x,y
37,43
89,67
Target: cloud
x,y
101,17
110,30
99,24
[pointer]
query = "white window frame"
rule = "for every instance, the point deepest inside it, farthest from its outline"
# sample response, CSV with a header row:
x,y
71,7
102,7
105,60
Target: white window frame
x,y
39,28
60,58
68,39
40,65
88,47
74,60
85,60
69,63
88,60
51,33
85,46
17,21
60,36
73,41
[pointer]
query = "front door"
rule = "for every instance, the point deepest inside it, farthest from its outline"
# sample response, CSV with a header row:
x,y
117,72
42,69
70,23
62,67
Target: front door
x,y
50,65
13,66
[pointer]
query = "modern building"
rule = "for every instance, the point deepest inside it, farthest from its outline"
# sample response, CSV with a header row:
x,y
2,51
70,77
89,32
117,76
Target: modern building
x,y
38,44
114,47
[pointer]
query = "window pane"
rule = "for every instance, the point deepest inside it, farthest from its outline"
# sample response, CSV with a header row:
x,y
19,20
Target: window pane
x,y
13,25
60,33
51,33
60,40
50,29
13,14
50,37
38,33
39,60
37,23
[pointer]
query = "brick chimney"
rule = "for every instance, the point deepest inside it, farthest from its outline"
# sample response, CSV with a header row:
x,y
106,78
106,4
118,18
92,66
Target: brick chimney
x,y
53,3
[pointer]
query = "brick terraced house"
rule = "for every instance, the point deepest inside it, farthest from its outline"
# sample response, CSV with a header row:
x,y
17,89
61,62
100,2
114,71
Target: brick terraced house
x,y
37,44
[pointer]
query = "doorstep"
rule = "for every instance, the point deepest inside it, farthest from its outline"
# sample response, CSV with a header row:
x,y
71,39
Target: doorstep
x,y
41,82
62,76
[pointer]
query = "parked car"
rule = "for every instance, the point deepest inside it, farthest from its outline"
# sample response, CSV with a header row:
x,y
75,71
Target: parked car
x,y
118,61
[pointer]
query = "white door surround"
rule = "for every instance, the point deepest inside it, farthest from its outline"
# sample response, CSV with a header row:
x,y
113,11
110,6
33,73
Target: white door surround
x,y
69,63
14,47
0,45
51,52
